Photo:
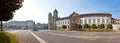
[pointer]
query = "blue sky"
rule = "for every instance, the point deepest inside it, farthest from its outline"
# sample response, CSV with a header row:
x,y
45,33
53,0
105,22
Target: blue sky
x,y
38,10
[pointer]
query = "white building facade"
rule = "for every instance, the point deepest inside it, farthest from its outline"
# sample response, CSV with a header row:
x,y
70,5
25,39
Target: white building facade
x,y
55,22
65,22
92,18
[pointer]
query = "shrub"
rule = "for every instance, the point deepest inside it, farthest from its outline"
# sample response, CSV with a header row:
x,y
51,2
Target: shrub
x,y
35,29
64,26
101,26
93,26
109,26
86,26
79,26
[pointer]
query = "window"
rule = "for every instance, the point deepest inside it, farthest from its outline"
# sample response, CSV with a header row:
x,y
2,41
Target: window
x,y
94,21
62,22
103,20
107,20
65,22
68,26
68,22
98,21
81,21
73,21
89,20
85,21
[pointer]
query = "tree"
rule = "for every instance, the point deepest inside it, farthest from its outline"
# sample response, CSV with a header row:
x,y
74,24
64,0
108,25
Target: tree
x,y
86,26
94,26
64,26
7,8
109,26
101,26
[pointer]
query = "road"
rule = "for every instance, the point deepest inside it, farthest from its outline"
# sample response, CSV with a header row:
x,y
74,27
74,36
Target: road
x,y
78,37
50,36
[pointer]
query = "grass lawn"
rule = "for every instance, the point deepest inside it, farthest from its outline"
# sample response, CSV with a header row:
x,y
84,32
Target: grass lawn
x,y
6,37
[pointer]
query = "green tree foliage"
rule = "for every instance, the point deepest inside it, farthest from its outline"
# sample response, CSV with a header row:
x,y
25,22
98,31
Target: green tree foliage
x,y
101,26
10,5
64,26
89,26
94,26
79,26
86,26
7,8
109,26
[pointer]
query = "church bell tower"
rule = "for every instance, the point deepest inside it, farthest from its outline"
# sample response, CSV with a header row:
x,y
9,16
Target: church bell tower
x,y
55,17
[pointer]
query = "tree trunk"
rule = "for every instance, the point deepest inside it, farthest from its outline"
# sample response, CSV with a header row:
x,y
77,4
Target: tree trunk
x,y
1,25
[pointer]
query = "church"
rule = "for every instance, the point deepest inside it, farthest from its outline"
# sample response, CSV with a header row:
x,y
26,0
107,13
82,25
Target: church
x,y
54,22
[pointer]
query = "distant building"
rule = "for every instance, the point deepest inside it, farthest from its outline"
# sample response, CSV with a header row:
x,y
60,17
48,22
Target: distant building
x,y
38,25
118,21
29,24
41,26
54,22
116,24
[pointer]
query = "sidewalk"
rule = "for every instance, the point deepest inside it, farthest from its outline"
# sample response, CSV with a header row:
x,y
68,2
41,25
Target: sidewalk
x,y
24,36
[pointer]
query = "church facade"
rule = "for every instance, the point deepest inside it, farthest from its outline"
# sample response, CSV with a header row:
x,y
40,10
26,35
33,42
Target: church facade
x,y
54,22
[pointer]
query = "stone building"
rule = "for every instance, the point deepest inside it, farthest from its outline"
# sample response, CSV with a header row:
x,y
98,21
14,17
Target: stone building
x,y
73,19
52,19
